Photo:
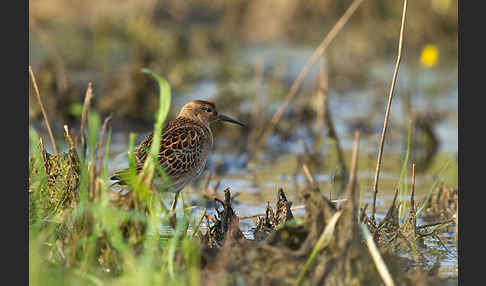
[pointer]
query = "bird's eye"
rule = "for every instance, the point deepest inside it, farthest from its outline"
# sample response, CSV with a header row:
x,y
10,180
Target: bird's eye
x,y
208,110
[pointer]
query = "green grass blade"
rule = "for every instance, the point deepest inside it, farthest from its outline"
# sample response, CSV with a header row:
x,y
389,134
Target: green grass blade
x,y
403,180
163,111
106,156
434,185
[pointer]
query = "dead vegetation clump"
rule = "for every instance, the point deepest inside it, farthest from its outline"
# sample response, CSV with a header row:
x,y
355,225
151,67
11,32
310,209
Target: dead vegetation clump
x,y
62,179
273,218
407,237
60,201
282,248
324,248
226,223
443,203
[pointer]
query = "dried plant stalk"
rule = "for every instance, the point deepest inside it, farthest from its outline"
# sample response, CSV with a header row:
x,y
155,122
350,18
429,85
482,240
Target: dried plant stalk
x,y
84,118
44,114
300,78
375,254
387,113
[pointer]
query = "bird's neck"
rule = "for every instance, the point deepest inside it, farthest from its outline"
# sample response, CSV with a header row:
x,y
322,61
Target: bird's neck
x,y
193,117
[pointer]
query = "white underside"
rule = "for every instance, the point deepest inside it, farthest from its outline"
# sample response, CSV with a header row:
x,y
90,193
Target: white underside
x,y
175,186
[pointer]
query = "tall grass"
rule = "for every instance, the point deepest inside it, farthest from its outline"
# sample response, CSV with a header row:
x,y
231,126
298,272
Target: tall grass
x,y
403,180
402,185
169,259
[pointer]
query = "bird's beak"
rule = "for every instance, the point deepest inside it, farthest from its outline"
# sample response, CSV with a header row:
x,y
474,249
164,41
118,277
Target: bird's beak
x,y
229,119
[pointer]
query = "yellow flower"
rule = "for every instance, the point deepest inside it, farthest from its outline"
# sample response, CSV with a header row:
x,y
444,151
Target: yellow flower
x,y
430,56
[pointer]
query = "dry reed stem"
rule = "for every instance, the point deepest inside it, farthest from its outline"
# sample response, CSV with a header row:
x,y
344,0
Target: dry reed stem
x,y
99,155
353,194
198,225
362,213
354,161
412,187
326,116
44,114
308,174
91,179
322,90
101,142
387,113
375,254
300,78
69,139
41,145
84,118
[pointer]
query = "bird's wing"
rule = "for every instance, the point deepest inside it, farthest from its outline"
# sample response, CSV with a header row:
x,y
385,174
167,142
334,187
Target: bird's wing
x,y
180,149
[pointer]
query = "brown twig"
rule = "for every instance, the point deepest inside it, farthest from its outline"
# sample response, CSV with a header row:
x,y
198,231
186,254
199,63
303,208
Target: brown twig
x,y
387,113
353,194
99,156
300,78
44,114
84,117
69,139
308,174
325,116
362,213
198,225
100,144
412,187
322,89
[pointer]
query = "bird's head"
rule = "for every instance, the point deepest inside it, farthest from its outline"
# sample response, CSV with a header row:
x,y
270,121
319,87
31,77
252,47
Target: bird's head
x,y
205,112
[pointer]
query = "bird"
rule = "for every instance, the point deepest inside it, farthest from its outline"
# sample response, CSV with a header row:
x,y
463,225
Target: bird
x,y
185,145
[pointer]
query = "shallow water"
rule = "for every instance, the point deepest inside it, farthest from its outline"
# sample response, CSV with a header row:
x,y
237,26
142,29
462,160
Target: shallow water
x,y
257,186
259,183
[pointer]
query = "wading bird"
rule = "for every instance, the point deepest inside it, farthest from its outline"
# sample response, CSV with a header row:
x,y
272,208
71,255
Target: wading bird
x,y
184,148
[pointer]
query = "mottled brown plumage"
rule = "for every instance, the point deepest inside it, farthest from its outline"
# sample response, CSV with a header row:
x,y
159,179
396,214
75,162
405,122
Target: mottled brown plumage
x,y
184,148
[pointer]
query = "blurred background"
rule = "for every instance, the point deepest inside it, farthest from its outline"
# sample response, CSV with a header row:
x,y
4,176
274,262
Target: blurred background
x,y
244,56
